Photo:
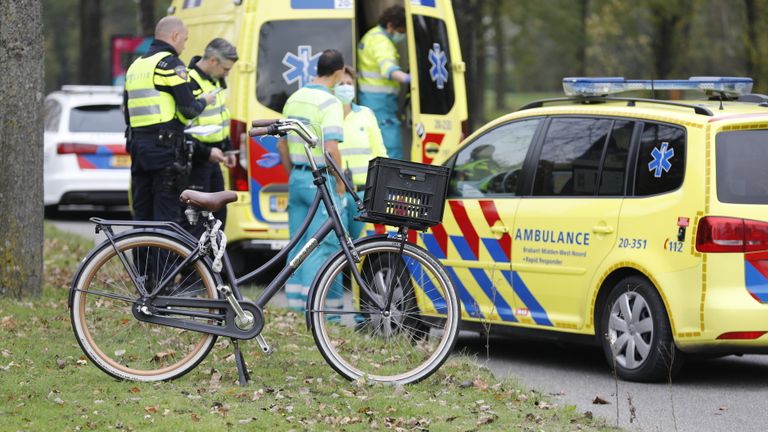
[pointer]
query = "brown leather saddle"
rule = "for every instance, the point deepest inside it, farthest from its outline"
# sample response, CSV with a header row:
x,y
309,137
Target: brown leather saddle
x,y
211,201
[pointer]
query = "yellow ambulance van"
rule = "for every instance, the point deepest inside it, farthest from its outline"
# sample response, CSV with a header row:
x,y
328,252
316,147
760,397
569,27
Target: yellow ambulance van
x,y
278,43
636,224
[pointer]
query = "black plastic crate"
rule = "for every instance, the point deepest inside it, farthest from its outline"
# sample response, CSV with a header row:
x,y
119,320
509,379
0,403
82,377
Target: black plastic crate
x,y
401,193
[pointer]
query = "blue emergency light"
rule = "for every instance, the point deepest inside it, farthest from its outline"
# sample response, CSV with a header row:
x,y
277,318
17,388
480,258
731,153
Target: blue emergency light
x,y
586,87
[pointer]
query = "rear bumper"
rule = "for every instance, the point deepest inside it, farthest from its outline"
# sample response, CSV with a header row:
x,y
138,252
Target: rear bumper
x,y
102,187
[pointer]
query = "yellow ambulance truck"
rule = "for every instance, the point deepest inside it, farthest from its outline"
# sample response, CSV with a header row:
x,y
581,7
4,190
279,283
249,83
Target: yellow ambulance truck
x,y
279,42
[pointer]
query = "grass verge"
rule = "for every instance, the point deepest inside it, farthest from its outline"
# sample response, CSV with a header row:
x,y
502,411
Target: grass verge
x,y
47,384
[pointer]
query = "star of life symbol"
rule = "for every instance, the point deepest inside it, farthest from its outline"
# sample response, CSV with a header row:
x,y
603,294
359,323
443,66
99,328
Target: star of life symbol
x,y
438,72
303,66
661,159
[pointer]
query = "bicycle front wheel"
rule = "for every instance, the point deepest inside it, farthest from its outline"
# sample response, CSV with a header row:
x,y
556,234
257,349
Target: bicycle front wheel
x,y
359,336
102,316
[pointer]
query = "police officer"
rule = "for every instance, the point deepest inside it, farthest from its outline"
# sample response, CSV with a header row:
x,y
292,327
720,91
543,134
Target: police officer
x,y
158,103
362,142
322,111
207,75
380,75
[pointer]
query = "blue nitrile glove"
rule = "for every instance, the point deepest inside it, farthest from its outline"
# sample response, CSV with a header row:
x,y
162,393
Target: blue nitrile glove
x,y
269,160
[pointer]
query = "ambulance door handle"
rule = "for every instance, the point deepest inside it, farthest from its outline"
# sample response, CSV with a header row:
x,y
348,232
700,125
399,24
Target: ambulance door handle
x,y
499,229
602,229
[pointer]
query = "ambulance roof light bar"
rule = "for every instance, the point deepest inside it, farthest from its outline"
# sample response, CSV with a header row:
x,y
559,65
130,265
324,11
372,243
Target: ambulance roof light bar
x,y
591,87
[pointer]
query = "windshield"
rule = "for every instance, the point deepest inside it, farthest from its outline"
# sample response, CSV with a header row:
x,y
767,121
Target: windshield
x,y
741,160
288,54
96,118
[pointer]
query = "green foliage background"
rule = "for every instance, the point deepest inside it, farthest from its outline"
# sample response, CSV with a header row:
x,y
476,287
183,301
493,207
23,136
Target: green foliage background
x,y
541,42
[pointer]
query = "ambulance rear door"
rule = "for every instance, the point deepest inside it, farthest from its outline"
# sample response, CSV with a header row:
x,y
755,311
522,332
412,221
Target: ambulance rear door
x,y
285,41
438,93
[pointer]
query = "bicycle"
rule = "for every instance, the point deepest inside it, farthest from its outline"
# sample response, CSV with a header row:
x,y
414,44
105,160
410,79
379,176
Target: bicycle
x,y
148,303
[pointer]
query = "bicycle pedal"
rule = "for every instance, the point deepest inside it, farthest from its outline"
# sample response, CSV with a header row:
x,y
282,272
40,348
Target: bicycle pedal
x,y
265,348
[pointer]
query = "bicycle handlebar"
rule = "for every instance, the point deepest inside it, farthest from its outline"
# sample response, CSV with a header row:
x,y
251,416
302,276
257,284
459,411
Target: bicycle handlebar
x,y
282,127
263,123
264,130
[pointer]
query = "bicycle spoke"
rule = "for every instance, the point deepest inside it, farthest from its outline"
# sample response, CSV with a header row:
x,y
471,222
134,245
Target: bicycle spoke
x,y
103,319
391,345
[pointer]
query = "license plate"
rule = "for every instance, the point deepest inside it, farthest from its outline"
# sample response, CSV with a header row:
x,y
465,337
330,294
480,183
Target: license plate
x,y
278,203
121,161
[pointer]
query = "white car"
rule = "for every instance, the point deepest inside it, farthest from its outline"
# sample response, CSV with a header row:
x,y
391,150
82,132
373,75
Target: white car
x,y
85,161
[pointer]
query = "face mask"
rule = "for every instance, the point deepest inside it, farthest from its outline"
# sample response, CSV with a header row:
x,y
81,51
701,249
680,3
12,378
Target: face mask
x,y
398,37
345,92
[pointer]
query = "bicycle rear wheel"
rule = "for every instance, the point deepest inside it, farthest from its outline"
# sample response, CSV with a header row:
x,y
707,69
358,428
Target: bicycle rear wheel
x,y
403,344
102,316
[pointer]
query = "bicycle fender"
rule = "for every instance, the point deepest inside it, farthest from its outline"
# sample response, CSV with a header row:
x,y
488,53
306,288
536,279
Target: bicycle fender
x,y
327,263
127,233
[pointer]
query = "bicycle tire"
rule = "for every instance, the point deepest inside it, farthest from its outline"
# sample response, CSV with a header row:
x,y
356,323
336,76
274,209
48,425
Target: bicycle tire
x,y
359,340
108,333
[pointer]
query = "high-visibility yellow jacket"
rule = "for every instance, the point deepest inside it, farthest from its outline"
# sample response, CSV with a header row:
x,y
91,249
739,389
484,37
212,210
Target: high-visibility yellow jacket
x,y
317,107
214,114
147,105
377,58
362,142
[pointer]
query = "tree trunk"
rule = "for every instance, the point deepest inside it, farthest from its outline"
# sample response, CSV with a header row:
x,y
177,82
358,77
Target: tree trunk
x,y
468,17
501,57
21,138
752,38
581,66
90,41
147,17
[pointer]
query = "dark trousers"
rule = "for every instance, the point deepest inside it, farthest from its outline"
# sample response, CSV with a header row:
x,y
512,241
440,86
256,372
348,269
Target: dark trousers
x,y
155,193
154,182
205,176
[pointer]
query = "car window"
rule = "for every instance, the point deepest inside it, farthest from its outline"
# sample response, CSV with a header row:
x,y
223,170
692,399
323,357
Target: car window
x,y
660,160
288,54
741,161
433,57
52,115
492,163
96,118
570,157
614,166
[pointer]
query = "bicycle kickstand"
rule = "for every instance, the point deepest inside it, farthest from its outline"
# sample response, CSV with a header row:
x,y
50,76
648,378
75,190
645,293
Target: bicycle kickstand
x,y
242,369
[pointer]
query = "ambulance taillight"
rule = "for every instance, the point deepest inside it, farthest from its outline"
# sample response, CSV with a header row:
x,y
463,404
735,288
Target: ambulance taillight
x,y
723,234
238,175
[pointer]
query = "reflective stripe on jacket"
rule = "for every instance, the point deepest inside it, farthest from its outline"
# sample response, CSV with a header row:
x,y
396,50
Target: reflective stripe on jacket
x,y
147,105
362,142
377,58
214,114
320,110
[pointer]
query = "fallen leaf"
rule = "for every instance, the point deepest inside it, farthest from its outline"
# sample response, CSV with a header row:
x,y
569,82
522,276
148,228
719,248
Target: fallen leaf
x,y
7,323
215,380
162,355
150,409
599,401
134,390
486,419
195,417
478,383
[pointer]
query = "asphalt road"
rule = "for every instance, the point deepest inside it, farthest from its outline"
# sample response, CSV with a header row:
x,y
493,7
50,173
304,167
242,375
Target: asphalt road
x,y
725,394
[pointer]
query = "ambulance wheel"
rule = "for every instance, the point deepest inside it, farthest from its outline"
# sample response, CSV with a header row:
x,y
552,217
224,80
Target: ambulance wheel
x,y
636,335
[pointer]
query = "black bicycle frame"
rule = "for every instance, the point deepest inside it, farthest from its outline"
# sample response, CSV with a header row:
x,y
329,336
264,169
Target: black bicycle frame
x,y
332,224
